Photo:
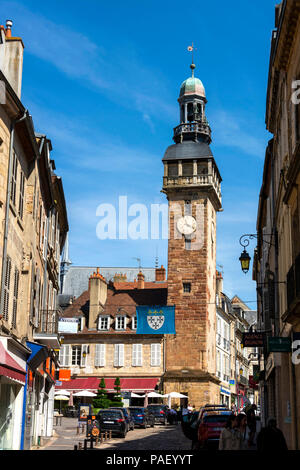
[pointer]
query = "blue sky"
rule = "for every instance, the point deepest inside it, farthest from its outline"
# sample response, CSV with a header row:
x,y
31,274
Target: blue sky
x,y
102,80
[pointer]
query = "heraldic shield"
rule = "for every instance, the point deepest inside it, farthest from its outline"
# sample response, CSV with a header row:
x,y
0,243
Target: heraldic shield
x,y
155,320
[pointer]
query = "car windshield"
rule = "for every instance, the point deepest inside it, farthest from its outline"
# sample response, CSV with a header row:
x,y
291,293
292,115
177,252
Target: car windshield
x,y
113,414
215,419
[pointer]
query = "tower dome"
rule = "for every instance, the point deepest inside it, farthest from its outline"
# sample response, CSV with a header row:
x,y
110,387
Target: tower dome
x,y
192,86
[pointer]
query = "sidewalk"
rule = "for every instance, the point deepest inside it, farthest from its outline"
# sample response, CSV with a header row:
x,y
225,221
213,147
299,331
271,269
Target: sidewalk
x,y
64,436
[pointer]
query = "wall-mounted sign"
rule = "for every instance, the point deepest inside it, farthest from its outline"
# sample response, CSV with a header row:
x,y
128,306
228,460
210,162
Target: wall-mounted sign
x,y
253,339
68,325
279,344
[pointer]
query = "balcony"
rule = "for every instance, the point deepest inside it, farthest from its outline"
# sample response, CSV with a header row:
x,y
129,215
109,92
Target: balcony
x,y
210,180
46,331
187,129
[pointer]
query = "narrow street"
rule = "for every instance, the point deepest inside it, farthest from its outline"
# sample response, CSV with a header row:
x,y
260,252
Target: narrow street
x,y
157,438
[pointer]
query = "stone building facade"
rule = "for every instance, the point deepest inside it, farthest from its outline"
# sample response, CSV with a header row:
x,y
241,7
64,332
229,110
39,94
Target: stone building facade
x,y
276,268
33,227
106,343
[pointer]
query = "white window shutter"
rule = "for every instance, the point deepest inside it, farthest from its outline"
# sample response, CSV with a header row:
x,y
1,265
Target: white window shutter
x,y
121,355
100,355
116,355
155,354
134,355
64,355
139,355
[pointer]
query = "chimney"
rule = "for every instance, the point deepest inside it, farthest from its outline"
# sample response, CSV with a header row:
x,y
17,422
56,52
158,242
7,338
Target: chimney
x,y
98,296
160,274
219,283
141,281
11,57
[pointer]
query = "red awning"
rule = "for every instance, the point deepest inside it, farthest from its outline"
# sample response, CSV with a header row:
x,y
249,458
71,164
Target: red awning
x,y
127,384
10,368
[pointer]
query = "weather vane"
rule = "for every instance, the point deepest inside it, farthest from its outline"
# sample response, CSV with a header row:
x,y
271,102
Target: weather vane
x,y
191,49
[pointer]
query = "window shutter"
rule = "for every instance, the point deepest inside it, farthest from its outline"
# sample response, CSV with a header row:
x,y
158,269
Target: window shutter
x,y
100,355
64,355
134,355
37,299
15,299
119,355
6,289
139,355
155,354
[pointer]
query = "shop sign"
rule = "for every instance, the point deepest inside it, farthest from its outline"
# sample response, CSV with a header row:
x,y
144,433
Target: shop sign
x,y
253,339
279,344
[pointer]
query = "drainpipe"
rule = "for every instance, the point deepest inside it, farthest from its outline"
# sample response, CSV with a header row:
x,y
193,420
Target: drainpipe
x,y
8,195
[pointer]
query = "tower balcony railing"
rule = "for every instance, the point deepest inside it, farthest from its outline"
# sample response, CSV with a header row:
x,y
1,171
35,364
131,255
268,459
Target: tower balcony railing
x,y
195,180
201,127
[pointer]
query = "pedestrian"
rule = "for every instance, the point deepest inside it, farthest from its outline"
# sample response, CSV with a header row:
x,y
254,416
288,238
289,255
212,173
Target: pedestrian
x,y
245,432
271,438
251,423
231,438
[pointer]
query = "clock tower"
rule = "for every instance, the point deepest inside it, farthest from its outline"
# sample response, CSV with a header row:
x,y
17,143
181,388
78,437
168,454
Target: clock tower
x,y
192,184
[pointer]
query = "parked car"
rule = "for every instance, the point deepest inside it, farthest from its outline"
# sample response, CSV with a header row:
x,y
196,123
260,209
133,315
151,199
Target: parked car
x,y
141,416
129,419
190,428
160,413
210,428
112,420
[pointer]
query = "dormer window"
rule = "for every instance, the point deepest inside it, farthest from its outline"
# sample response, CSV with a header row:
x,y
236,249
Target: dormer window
x,y
121,322
104,323
134,322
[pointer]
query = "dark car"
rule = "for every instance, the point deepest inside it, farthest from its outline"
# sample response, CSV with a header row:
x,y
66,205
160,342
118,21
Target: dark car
x,y
141,416
129,419
112,420
160,413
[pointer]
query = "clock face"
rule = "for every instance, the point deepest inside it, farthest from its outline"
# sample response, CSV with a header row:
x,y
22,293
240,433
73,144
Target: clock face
x,y
187,225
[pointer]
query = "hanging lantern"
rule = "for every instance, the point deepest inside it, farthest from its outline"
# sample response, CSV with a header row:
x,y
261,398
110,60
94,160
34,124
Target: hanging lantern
x,y
245,261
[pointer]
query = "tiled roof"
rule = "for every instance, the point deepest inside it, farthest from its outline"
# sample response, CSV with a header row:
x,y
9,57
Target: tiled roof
x,y
119,301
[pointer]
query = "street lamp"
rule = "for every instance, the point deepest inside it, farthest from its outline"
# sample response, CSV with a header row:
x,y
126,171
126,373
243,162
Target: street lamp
x,y
245,261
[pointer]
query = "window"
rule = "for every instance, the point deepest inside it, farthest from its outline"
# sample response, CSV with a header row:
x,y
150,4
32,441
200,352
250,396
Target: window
x,y
76,355
137,355
187,287
104,322
172,169
15,298
119,355
6,288
21,195
134,322
14,179
155,359
187,169
100,355
121,322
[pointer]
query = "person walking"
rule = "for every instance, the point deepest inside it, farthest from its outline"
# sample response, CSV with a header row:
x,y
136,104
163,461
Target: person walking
x,y
271,438
231,437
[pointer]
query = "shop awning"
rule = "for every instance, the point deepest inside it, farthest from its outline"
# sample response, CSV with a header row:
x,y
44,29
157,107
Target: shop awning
x,y
38,355
10,368
146,384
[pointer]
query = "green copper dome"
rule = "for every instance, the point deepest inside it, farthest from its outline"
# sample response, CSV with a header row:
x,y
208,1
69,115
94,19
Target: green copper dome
x,y
192,86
